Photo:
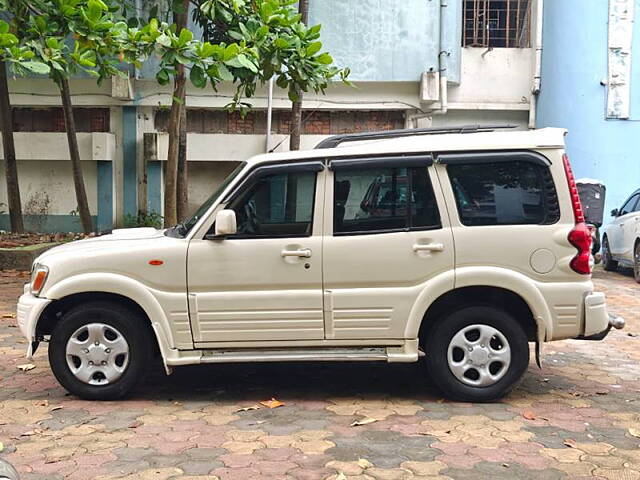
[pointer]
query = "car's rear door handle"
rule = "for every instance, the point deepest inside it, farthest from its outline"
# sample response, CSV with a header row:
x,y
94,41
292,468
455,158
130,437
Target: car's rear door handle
x,y
304,253
428,247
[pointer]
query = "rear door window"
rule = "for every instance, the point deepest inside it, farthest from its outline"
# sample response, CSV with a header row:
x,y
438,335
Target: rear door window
x,y
383,199
504,193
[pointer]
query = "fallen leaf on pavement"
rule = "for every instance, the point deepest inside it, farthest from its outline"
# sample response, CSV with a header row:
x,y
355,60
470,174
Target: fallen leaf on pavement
x,y
1,446
363,421
569,442
26,367
57,407
273,403
136,424
364,463
529,415
253,407
631,334
602,392
635,432
340,476
9,315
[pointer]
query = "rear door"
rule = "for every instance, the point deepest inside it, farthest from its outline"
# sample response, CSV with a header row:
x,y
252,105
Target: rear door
x,y
386,240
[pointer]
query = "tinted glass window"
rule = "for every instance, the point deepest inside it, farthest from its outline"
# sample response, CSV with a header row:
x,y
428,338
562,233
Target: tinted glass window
x,y
504,193
277,206
383,199
629,206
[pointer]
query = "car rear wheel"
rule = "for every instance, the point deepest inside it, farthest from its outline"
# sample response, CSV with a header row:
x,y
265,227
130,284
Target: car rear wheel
x,y
99,350
609,264
477,354
636,263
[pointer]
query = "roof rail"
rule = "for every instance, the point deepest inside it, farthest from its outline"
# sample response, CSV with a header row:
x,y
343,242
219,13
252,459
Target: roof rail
x,y
336,140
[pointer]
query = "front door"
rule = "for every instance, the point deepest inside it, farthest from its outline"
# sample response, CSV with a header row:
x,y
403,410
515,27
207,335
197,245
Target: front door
x,y
387,241
265,282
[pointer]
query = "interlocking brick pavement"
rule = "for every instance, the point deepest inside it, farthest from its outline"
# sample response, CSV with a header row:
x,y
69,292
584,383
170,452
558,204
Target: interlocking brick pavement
x,y
578,417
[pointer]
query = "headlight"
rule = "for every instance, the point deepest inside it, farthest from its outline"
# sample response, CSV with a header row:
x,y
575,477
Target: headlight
x,y
39,275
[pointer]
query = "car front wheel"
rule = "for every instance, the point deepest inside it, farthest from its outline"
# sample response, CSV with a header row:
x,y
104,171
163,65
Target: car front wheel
x,y
99,350
477,354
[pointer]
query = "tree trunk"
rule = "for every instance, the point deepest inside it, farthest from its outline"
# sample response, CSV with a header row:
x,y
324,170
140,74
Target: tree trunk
x,y
10,164
72,139
179,97
183,167
296,109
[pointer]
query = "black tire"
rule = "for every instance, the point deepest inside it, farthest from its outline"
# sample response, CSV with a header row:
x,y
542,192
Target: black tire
x,y
132,327
636,262
439,338
609,264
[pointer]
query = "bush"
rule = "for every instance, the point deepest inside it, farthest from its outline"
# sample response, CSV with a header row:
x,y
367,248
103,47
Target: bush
x,y
152,219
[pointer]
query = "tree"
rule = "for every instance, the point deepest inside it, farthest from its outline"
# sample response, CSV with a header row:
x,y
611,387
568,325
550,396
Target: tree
x,y
63,38
296,109
249,42
8,40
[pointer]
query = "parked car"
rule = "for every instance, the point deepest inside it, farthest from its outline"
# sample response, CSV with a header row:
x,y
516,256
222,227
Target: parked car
x,y
592,196
621,240
459,247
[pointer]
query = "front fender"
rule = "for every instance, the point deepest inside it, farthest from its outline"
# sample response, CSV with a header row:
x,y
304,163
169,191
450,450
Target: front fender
x,y
145,297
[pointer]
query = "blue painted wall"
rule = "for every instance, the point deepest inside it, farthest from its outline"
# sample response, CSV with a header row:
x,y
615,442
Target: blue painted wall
x,y
129,152
574,61
389,40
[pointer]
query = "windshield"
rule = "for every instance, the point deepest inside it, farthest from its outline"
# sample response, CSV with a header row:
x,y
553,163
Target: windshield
x,y
190,222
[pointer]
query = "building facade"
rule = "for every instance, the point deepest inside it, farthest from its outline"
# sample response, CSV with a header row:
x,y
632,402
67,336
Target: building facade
x,y
591,86
415,63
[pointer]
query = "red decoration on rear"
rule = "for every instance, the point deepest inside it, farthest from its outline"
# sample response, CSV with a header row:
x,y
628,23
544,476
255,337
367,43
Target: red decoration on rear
x,y
156,263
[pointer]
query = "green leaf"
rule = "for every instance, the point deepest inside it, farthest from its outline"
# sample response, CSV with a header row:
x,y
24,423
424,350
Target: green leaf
x,y
230,52
246,63
324,59
36,67
225,74
198,77
162,77
8,40
4,27
293,95
281,43
313,48
164,40
185,37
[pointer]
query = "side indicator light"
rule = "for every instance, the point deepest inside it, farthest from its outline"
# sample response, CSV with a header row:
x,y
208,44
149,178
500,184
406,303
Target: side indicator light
x,y
156,263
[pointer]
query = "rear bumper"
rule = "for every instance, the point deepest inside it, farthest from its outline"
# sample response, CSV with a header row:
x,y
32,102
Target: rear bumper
x,y
597,321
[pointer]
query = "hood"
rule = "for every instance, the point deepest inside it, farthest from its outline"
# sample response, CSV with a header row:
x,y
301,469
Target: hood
x,y
118,239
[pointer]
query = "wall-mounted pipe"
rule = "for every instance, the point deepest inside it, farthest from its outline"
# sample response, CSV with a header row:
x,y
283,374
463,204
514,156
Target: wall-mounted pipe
x,y
442,60
537,75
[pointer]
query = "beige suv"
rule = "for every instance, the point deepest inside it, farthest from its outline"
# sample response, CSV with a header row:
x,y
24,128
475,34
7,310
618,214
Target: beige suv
x,y
460,247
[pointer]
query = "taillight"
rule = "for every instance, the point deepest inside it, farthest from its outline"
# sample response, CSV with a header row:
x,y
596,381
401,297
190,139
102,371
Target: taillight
x,y
580,236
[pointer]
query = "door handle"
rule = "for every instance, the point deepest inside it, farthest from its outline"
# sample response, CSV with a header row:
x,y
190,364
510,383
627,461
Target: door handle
x,y
428,247
304,253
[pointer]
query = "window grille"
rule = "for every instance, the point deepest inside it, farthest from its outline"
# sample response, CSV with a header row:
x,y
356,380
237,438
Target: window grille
x,y
496,23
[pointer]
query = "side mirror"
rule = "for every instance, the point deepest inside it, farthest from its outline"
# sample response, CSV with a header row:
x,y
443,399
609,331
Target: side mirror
x,y
225,224
614,212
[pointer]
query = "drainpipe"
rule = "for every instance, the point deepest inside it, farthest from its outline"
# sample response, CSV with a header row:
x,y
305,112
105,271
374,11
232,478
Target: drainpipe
x,y
537,82
442,60
269,115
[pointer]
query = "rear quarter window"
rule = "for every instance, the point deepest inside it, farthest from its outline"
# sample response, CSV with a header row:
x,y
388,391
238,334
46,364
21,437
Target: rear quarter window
x,y
504,193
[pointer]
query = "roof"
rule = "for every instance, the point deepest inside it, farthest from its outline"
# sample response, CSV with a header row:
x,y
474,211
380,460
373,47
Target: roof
x,y
498,140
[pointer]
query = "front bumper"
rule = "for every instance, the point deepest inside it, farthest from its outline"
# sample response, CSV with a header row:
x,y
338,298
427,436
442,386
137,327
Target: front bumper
x,y
597,321
30,309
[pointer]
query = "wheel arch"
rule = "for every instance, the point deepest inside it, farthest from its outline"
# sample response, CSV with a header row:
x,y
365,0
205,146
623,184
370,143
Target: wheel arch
x,y
112,287
463,297
480,285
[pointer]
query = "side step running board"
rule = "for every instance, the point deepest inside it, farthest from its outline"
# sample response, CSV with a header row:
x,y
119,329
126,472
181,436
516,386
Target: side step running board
x,y
296,355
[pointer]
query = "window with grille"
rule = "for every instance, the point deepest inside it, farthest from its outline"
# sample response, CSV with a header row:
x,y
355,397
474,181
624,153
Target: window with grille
x,y
496,23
